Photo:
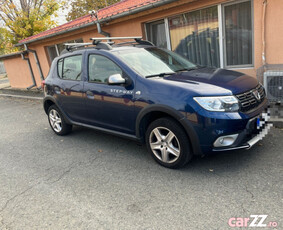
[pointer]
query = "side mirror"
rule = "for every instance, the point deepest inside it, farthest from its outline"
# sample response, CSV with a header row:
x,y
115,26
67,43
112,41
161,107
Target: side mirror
x,y
116,79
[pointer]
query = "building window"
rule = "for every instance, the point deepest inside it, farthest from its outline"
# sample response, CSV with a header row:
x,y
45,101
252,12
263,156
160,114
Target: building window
x,y
52,52
204,39
195,35
238,34
156,33
55,50
70,68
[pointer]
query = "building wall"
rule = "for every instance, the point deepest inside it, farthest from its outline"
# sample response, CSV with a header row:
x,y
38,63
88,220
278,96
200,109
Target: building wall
x,y
134,26
274,32
18,72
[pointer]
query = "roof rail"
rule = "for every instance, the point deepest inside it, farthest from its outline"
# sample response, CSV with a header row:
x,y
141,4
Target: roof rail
x,y
70,46
98,45
115,38
97,42
144,42
138,39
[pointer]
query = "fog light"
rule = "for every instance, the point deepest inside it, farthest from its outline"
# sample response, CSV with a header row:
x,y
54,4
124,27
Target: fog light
x,y
225,140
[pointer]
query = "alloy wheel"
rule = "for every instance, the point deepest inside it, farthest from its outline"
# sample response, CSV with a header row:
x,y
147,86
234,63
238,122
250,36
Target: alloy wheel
x,y
164,145
55,120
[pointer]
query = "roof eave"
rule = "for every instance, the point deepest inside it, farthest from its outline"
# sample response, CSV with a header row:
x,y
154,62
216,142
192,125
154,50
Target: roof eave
x,y
6,56
123,14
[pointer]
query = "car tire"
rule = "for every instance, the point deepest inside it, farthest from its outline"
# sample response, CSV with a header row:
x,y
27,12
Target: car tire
x,y
57,121
168,143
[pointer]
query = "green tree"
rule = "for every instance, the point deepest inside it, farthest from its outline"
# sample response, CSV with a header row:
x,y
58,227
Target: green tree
x,y
24,18
5,45
82,7
2,42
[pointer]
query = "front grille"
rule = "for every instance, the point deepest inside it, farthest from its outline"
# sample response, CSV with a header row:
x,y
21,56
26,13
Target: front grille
x,y
249,99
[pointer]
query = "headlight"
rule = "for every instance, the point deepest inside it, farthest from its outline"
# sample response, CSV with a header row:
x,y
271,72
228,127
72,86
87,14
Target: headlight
x,y
218,104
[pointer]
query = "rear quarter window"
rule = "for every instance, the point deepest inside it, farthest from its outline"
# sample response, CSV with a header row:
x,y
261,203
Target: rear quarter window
x,y
60,67
70,68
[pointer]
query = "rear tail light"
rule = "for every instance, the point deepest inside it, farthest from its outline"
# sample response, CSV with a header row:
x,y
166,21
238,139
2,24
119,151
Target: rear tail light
x,y
42,85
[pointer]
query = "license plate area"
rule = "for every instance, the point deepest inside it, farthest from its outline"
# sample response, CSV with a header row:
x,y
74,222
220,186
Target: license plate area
x,y
256,124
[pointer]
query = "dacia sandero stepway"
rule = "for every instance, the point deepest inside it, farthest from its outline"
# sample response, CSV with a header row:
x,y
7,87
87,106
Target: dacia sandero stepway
x,y
155,96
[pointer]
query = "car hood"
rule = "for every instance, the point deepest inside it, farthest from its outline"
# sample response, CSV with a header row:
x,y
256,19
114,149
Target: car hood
x,y
233,81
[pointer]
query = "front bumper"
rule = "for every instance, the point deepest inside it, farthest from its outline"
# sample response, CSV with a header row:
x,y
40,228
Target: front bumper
x,y
255,131
249,143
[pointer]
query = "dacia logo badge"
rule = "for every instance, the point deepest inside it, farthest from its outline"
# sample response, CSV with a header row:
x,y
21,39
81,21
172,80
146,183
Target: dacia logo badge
x,y
257,95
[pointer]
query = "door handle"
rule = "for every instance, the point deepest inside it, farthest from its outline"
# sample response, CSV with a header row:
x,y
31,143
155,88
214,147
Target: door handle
x,y
90,94
57,90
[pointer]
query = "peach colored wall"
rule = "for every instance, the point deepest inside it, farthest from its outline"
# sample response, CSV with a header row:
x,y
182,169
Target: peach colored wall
x,y
134,25
18,72
274,32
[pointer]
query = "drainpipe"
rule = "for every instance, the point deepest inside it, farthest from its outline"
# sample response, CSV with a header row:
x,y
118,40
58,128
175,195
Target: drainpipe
x,y
30,69
99,30
263,33
36,60
93,14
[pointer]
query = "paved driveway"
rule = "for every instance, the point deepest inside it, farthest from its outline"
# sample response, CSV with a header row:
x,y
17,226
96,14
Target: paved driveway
x,y
90,180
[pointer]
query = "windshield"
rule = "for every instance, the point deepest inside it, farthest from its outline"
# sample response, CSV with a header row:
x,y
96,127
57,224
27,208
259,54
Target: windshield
x,y
154,61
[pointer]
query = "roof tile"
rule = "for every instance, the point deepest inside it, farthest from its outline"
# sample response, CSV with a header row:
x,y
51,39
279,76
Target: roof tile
x,y
118,8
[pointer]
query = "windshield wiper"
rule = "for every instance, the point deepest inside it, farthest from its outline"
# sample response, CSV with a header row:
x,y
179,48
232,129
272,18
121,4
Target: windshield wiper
x,y
159,75
170,73
186,69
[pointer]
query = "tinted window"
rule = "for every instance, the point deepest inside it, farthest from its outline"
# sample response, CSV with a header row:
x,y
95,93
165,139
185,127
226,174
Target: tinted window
x,y
70,68
60,66
100,68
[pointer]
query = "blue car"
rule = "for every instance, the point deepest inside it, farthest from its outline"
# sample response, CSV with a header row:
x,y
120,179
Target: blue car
x,y
154,96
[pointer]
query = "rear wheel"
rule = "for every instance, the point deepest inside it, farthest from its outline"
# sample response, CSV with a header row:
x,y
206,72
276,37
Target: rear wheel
x,y
168,143
57,121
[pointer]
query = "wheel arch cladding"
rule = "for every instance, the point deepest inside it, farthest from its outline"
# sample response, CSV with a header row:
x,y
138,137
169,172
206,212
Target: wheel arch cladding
x,y
47,103
153,112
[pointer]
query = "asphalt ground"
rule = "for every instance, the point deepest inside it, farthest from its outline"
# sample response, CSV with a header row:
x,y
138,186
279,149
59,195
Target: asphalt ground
x,y
91,180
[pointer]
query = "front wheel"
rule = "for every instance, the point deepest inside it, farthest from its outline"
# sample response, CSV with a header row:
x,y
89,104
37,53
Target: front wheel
x,y
57,121
168,143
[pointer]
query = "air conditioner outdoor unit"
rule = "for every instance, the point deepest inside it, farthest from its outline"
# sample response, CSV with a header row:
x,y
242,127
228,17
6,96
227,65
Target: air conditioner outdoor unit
x,y
273,84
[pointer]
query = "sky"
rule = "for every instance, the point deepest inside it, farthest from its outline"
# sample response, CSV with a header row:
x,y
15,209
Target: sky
x,y
61,19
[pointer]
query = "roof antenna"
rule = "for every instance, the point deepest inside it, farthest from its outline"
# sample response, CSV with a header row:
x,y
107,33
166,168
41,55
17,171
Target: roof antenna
x,y
93,14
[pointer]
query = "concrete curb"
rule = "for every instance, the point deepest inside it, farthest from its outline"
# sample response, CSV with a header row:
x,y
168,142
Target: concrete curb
x,y
21,96
21,93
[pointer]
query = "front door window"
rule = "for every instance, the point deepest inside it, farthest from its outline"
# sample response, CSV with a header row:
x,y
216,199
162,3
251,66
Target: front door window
x,y
101,68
